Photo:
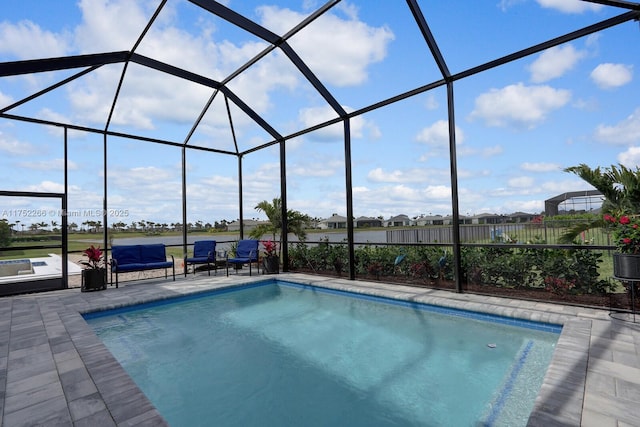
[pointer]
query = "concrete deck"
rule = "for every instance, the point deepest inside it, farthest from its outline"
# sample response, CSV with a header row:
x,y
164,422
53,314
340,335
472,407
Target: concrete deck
x,y
55,371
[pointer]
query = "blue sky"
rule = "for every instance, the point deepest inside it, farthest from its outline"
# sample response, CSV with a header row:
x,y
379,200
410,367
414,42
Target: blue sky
x,y
518,125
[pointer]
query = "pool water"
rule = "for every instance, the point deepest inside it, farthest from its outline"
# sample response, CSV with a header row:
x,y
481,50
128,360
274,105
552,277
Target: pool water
x,y
281,354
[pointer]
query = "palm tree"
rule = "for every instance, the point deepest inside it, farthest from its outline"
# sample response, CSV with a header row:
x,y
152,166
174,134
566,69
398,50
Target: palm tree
x,y
620,187
296,221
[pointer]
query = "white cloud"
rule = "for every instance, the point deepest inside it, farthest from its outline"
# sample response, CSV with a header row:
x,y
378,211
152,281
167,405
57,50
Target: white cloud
x,y
608,75
431,103
338,50
314,165
492,151
553,188
315,115
256,84
554,62
310,170
219,181
153,182
504,5
312,116
473,173
374,131
11,146
148,96
467,151
625,132
519,105
438,192
570,6
26,40
47,187
53,116
5,100
48,114
530,206
540,167
47,165
630,158
437,135
111,25
592,41
590,104
400,176
521,182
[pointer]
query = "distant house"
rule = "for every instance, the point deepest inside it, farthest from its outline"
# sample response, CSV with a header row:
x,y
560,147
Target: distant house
x,y
487,218
466,220
516,217
398,221
429,220
365,221
334,222
521,217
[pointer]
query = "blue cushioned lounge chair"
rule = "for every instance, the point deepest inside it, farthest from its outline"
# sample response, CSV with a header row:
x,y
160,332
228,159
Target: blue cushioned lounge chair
x,y
204,252
246,253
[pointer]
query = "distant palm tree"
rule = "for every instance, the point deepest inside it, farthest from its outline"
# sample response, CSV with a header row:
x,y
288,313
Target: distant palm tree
x,y
296,221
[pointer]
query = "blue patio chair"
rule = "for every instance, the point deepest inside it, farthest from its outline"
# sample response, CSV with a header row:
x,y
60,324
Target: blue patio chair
x,y
204,252
246,253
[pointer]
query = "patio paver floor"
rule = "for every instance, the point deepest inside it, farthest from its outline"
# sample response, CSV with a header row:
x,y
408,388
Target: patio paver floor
x,y
55,371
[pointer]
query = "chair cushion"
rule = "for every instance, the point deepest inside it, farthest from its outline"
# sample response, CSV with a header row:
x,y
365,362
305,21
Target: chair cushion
x,y
153,253
204,248
136,266
246,249
126,254
152,265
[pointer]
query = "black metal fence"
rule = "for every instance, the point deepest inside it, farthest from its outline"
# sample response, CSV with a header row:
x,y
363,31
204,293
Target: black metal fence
x,y
548,232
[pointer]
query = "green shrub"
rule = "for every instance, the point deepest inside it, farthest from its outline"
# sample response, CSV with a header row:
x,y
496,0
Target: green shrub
x,y
556,270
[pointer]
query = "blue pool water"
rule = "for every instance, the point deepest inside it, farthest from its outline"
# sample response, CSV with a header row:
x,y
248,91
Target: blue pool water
x,y
280,354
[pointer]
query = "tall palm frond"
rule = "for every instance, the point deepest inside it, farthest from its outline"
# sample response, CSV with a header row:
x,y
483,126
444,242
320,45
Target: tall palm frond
x,y
296,221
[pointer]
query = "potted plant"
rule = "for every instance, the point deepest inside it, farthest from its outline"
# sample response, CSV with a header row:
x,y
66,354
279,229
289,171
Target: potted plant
x,y
626,236
94,275
270,260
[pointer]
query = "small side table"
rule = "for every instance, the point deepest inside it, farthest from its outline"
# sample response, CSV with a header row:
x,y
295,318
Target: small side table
x,y
221,259
632,284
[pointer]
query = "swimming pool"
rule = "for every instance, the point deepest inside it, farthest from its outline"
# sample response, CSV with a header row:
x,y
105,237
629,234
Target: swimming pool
x,y
285,354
